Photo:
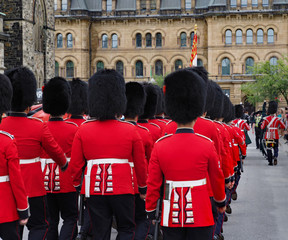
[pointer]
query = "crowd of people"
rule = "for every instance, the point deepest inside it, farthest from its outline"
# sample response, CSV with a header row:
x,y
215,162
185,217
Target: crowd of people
x,y
123,148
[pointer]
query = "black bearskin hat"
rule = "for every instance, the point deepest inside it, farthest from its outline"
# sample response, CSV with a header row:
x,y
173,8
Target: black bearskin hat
x,y
239,111
160,100
272,108
228,113
6,92
185,95
106,95
136,98
56,96
216,109
79,97
201,71
210,97
24,88
151,101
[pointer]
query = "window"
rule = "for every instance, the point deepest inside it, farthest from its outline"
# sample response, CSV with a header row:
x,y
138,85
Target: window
x,y
248,64
233,3
226,66
59,40
243,3
104,41
254,3
114,41
265,3
226,92
99,66
148,40
69,69
188,4
139,69
228,37
178,64
153,5
183,39
69,40
119,67
138,40
199,62
191,38
109,5
270,35
159,68
249,36
55,5
158,40
143,5
64,5
260,36
56,69
273,61
239,36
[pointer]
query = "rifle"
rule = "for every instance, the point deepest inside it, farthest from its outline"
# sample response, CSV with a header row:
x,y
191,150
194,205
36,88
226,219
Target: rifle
x,y
81,210
158,219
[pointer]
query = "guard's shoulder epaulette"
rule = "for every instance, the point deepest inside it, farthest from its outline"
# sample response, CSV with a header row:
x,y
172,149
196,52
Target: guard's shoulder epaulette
x,y
71,123
143,127
164,137
154,124
7,134
169,122
34,118
88,121
203,137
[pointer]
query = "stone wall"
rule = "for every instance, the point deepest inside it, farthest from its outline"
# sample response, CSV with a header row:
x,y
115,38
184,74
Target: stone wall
x,y
1,47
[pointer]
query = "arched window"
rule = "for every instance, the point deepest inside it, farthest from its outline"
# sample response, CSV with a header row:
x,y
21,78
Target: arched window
x,y
159,68
56,69
143,5
120,67
273,61
191,39
228,37
260,36
55,5
64,5
139,69
69,40
249,36
114,41
59,40
99,66
148,40
183,39
188,4
109,5
69,69
270,35
233,3
254,3
265,3
199,62
243,3
226,66
104,41
248,64
152,5
239,36
158,40
138,40
178,64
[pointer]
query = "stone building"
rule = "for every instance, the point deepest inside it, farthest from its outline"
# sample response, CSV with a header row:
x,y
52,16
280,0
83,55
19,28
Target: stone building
x,y
30,26
3,37
143,38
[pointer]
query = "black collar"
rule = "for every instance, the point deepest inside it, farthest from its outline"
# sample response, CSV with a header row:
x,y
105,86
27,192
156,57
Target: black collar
x,y
158,117
52,119
76,117
142,121
17,114
133,122
184,130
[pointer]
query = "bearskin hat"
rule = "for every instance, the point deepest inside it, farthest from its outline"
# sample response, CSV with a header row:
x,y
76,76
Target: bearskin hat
x,y
160,100
272,108
136,98
6,93
151,101
201,71
24,88
56,96
106,95
210,97
185,95
79,97
239,111
216,111
228,114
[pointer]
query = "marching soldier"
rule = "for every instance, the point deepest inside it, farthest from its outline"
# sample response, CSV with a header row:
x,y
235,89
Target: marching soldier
x,y
241,123
61,194
32,135
180,161
13,201
114,153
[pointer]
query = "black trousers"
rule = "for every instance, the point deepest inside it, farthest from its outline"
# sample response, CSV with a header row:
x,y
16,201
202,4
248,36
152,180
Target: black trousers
x,y
275,148
9,230
257,137
142,222
188,233
101,210
37,223
67,205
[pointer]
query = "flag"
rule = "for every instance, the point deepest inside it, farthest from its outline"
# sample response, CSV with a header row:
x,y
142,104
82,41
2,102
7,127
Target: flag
x,y
193,59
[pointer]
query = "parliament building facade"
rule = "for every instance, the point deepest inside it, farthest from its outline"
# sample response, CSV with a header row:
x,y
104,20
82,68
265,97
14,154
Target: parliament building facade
x,y
145,38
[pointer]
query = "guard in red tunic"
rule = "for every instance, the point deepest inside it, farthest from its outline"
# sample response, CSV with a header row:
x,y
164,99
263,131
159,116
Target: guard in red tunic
x,y
32,135
272,122
61,195
114,154
13,201
183,161
239,122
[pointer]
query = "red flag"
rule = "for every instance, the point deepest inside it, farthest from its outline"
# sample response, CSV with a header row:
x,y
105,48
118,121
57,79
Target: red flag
x,y
193,59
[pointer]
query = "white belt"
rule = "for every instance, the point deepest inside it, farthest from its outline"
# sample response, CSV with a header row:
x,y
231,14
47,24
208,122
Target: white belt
x,y
99,161
45,161
4,179
235,144
195,183
272,128
29,161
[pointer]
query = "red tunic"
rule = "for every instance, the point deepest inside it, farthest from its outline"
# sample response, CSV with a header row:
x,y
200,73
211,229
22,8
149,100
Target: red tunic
x,y
13,200
185,159
110,148
76,119
153,128
272,123
32,135
171,127
160,123
56,181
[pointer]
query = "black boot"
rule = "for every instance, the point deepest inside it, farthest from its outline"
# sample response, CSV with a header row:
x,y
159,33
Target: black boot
x,y
234,196
228,209
275,161
225,218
